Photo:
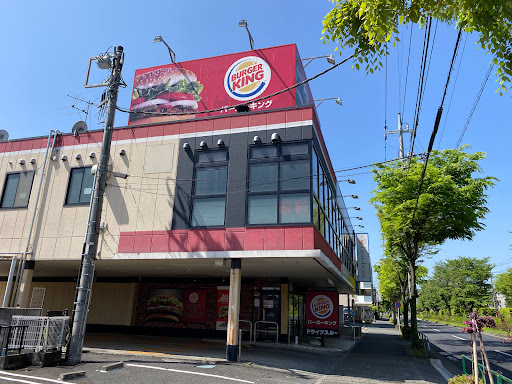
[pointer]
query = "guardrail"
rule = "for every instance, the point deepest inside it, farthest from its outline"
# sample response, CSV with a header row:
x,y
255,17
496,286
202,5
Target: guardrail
x,y
500,379
6,335
40,333
267,331
425,343
250,327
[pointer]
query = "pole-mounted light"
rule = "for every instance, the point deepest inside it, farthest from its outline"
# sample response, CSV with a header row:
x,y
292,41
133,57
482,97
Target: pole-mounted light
x,y
338,101
160,39
356,217
350,181
352,196
243,23
354,208
330,59
357,225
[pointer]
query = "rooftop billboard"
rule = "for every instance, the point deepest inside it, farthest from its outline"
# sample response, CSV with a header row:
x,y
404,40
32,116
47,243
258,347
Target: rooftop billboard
x,y
191,87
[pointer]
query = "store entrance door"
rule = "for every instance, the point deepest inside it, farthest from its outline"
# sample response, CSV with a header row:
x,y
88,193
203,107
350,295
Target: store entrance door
x,y
267,312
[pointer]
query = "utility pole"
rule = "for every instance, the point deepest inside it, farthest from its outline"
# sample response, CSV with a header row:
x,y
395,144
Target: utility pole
x,y
86,274
400,133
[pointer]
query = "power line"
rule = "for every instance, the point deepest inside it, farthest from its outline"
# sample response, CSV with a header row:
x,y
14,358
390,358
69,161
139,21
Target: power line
x,y
436,124
482,87
241,104
407,71
453,91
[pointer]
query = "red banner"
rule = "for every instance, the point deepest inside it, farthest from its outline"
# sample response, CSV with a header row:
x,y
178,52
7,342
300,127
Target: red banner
x,y
222,308
194,302
216,82
322,313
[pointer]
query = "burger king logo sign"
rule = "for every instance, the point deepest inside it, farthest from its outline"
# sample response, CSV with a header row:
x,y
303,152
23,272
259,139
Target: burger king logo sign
x,y
247,78
322,306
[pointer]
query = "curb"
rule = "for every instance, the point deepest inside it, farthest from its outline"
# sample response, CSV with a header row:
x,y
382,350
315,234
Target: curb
x,y
154,354
71,375
110,367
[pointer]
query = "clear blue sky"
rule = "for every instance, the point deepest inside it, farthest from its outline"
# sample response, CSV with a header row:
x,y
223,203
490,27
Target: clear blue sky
x,y
46,45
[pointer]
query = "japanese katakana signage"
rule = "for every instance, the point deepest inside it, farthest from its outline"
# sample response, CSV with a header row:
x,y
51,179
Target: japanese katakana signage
x,y
218,82
322,313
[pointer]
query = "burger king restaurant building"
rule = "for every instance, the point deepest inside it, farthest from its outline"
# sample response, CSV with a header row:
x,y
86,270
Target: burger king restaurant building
x,y
240,199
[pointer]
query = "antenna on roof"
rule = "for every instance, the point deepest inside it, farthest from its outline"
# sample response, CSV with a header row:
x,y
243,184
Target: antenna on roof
x,y
79,127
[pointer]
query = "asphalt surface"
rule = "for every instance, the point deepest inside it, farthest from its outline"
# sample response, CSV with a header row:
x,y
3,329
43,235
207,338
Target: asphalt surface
x,y
453,344
380,356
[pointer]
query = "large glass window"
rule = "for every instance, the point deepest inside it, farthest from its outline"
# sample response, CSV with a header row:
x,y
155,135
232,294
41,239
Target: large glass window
x,y
80,186
17,190
279,184
210,187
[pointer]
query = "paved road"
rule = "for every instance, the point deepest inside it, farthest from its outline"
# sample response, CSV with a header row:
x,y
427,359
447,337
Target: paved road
x,y
453,343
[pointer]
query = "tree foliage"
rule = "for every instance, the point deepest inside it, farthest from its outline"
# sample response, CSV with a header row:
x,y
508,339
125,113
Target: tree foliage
x,y
459,285
368,26
452,205
503,285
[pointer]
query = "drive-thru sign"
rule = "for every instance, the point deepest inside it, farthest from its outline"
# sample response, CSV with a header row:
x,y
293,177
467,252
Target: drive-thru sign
x,y
322,313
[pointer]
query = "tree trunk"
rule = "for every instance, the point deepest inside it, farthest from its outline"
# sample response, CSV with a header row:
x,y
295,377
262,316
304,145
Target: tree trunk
x,y
405,331
485,360
475,355
415,340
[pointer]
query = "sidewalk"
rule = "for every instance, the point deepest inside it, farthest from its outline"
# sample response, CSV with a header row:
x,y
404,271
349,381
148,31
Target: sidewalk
x,y
381,357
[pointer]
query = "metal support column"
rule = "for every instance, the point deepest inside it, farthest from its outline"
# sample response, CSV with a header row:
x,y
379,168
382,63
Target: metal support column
x,y
235,283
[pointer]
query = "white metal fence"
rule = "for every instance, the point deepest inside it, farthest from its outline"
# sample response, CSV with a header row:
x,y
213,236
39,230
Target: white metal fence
x,y
38,333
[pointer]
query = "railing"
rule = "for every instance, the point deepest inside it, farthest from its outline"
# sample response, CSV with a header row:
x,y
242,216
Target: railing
x,y
40,333
250,327
500,379
8,332
266,330
425,343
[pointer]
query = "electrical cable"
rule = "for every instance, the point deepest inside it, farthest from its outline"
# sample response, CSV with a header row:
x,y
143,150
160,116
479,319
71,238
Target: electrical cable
x,y
436,124
386,109
241,104
453,91
407,71
482,87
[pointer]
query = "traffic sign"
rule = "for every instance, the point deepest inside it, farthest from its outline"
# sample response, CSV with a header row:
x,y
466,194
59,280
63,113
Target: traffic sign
x,y
398,304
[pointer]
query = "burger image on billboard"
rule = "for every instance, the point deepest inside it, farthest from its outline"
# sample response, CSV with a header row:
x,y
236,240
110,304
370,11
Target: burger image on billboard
x,y
247,78
164,90
321,306
164,307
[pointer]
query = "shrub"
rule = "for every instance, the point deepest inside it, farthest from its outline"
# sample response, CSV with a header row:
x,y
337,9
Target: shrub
x,y
463,379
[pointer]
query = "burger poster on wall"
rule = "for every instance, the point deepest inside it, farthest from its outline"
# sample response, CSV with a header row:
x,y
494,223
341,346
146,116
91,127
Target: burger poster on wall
x,y
176,305
222,308
193,86
322,313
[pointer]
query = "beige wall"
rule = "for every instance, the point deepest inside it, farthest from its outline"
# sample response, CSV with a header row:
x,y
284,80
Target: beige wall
x,y
143,201
111,304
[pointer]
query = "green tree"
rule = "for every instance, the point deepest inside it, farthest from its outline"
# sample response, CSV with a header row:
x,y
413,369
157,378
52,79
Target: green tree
x,y
367,26
459,285
503,285
451,206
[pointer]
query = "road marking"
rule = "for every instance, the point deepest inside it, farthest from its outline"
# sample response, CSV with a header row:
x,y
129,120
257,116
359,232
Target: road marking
x,y
191,373
460,338
27,377
436,363
504,353
437,330
18,380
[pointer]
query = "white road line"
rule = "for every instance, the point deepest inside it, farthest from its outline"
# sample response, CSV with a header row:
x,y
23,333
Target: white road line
x,y
458,337
437,330
191,373
504,353
436,363
28,377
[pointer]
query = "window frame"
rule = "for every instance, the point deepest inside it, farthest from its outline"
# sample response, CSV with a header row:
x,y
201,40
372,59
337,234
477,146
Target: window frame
x,y
193,196
7,175
278,160
71,170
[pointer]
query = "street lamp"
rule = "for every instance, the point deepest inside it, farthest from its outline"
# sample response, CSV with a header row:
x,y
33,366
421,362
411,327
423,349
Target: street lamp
x,y
338,101
243,23
357,225
355,208
160,39
350,181
352,196
330,59
356,217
